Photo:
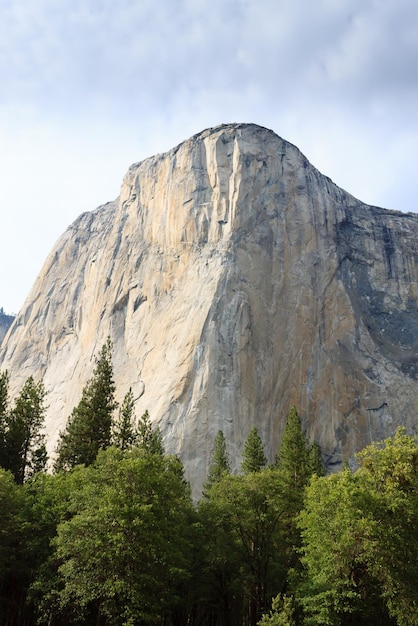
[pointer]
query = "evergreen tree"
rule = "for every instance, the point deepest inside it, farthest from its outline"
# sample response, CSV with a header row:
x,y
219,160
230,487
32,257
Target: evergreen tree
x,y
23,445
296,461
4,394
220,465
293,457
125,434
89,426
316,465
4,405
253,458
149,439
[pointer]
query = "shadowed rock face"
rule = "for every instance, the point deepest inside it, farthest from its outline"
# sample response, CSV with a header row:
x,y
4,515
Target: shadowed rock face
x,y
5,323
234,280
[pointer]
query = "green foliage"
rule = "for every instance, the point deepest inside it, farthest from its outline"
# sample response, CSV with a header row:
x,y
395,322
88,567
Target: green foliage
x,y
244,515
23,450
220,464
316,465
281,614
12,567
149,439
332,552
4,394
359,547
4,406
128,547
117,540
389,471
253,457
51,500
296,459
124,433
89,426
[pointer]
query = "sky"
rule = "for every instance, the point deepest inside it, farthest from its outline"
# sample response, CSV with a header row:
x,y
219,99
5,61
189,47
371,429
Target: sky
x,y
88,87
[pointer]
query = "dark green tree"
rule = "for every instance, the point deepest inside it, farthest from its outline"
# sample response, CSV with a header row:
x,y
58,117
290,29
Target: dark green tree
x,y
4,393
243,517
297,460
316,464
220,465
24,450
51,500
253,457
124,431
89,426
13,570
293,455
148,438
4,408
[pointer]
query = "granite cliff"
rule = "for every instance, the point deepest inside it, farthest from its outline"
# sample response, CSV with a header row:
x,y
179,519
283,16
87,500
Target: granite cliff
x,y
234,280
5,322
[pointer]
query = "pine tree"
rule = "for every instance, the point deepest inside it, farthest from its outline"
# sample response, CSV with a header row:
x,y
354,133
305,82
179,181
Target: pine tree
x,y
220,464
296,459
293,455
253,458
149,439
124,433
4,405
89,426
23,445
296,462
316,465
4,394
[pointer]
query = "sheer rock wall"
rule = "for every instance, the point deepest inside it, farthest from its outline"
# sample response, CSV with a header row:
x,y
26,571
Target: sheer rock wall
x,y
234,280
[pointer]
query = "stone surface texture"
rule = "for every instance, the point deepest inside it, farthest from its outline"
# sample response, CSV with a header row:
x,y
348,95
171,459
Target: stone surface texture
x,y
234,280
5,322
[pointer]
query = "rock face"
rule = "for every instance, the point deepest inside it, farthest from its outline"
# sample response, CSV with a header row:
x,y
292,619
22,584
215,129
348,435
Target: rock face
x,y
5,322
234,280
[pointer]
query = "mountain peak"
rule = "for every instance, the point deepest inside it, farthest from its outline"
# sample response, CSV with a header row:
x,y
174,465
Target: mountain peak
x,y
235,281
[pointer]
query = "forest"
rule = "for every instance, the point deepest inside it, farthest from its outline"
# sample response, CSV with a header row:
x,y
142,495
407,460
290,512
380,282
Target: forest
x,y
110,536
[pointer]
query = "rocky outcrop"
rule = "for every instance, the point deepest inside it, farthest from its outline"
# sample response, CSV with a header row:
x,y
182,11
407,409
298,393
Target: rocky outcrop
x,y
5,322
234,280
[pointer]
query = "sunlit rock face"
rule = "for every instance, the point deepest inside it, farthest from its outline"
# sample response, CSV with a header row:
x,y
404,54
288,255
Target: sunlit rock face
x,y
234,280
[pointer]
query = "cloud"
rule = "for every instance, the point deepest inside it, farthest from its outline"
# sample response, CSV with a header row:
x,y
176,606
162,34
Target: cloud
x,y
86,54
89,86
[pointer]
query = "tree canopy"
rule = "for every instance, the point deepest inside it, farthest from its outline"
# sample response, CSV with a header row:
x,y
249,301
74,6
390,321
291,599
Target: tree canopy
x,y
359,547
118,540
89,427
128,546
22,441
253,457
220,464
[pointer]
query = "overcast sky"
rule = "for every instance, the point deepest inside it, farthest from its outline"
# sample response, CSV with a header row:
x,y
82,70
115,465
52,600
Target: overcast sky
x,y
88,87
